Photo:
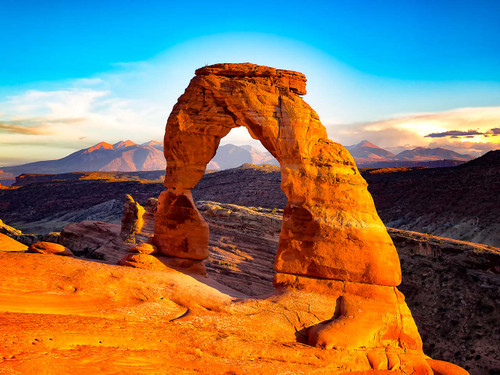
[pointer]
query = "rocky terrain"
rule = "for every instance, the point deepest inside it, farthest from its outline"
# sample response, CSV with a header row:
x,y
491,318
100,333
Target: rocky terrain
x,y
458,202
444,281
431,200
336,269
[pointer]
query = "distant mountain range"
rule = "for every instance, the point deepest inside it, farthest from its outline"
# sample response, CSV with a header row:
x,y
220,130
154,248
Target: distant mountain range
x,y
127,156
368,155
231,156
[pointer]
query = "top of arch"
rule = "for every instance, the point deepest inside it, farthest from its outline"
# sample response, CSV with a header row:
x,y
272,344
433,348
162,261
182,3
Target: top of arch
x,y
288,79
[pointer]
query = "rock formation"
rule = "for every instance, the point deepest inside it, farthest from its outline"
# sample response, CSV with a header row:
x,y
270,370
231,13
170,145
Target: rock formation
x,y
332,241
49,248
132,220
95,240
329,208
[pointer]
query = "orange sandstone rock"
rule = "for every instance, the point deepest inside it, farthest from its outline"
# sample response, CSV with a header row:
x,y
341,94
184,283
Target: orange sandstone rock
x,y
180,230
162,263
10,244
330,227
49,248
144,248
332,240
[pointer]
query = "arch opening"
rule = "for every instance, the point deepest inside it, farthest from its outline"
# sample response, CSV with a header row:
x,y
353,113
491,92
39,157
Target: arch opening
x,y
238,148
244,214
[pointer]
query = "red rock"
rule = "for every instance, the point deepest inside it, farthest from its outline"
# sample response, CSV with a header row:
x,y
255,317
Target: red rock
x,y
366,315
180,230
144,248
49,248
162,263
332,240
330,226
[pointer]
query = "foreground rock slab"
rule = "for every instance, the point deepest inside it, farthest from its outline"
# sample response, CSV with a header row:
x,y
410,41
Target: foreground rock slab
x,y
67,315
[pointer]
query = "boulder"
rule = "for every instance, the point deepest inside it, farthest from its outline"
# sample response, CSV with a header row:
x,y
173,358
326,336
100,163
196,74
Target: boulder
x,y
95,239
144,248
49,248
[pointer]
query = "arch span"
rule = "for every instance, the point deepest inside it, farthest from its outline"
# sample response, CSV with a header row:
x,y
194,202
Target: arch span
x,y
330,230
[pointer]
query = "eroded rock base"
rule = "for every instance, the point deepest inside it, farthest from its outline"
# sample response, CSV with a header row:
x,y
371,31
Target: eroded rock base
x,y
366,316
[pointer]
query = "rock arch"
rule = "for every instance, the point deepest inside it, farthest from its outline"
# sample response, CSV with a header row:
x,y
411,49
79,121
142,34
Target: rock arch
x,y
330,230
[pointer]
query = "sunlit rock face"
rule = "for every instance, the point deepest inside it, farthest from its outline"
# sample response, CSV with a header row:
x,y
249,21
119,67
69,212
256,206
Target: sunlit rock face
x,y
331,229
332,242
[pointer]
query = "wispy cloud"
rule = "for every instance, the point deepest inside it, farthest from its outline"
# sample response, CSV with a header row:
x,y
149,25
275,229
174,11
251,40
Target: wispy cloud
x,y
10,127
492,132
35,125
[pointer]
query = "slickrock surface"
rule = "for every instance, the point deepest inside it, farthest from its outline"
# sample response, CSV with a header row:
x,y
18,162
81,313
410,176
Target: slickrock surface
x,y
9,244
70,316
458,279
95,240
243,244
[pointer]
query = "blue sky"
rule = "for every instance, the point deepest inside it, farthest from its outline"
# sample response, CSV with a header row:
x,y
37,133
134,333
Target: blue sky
x,y
73,73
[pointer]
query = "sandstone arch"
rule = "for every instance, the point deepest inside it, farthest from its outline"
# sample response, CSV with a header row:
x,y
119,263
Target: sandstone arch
x,y
331,229
332,245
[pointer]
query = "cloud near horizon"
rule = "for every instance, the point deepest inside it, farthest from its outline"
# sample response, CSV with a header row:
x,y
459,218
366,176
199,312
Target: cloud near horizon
x,y
466,134
14,127
464,130
58,122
